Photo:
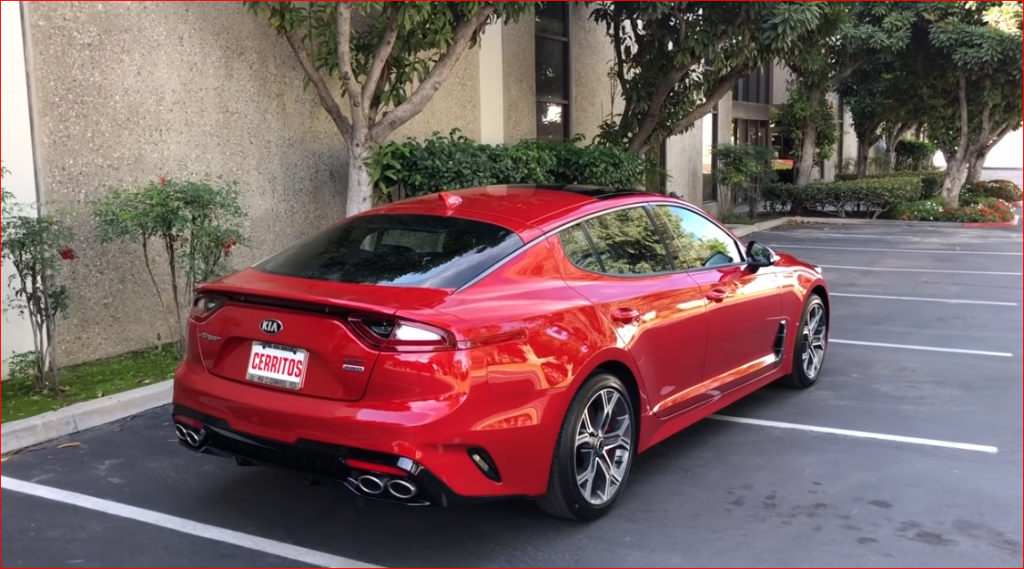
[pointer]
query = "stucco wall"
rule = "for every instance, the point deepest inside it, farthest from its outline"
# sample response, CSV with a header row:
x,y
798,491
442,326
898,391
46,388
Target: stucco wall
x,y
593,97
126,92
520,68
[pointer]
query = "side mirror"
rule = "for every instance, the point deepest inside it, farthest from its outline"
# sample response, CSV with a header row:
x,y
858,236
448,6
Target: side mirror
x,y
760,255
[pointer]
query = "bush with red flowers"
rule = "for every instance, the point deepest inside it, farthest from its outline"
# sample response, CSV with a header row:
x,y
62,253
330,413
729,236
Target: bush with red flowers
x,y
999,189
37,246
198,224
972,209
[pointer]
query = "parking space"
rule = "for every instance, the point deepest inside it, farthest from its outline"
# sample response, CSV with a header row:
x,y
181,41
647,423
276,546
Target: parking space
x,y
907,454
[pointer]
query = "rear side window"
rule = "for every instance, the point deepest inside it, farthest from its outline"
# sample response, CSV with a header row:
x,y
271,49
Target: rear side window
x,y
423,251
625,242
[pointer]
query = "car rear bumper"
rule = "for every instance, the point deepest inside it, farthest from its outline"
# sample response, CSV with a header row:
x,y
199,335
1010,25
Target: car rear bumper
x,y
452,451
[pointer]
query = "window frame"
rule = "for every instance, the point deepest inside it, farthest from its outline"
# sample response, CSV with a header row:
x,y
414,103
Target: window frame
x,y
648,209
567,82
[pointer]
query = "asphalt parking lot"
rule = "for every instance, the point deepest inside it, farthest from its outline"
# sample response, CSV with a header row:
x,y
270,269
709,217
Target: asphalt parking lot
x,y
908,453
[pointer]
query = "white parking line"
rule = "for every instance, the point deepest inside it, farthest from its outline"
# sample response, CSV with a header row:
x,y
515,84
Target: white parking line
x,y
275,548
917,299
989,273
858,434
924,348
938,251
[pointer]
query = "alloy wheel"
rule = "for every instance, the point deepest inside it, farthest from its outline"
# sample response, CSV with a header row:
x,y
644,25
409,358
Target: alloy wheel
x,y
604,441
814,341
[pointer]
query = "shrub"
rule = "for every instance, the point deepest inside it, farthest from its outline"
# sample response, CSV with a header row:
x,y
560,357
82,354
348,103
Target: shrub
x,y
412,167
975,210
37,245
743,170
1000,189
871,195
198,225
914,155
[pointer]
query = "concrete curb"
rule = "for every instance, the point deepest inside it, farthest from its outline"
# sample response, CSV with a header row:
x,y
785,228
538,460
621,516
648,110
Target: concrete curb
x,y
26,433
744,230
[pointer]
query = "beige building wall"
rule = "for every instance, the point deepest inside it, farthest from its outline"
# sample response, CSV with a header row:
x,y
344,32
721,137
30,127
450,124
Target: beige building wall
x,y
520,72
125,92
595,95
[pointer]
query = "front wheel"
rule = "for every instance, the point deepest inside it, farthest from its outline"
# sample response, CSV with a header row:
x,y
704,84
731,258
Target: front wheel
x,y
594,452
811,345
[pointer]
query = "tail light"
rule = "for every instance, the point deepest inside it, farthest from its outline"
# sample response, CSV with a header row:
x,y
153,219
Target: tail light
x,y
396,335
205,305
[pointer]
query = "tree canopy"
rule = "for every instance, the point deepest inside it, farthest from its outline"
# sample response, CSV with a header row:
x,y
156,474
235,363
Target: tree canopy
x,y
675,60
390,59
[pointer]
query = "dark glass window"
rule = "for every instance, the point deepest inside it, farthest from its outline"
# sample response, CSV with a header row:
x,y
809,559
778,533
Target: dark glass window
x,y
693,240
625,241
423,251
553,78
579,250
754,88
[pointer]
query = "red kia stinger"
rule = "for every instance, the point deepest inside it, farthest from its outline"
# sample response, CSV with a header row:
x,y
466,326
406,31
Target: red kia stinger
x,y
493,342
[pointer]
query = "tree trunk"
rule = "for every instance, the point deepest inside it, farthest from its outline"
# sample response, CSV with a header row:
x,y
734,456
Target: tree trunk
x,y
976,166
806,164
809,143
863,156
956,174
359,196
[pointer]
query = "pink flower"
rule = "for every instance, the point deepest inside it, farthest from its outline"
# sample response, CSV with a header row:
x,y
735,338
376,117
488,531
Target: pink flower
x,y
68,254
163,181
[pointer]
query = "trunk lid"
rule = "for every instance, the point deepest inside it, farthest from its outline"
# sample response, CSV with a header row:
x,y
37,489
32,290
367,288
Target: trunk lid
x,y
293,335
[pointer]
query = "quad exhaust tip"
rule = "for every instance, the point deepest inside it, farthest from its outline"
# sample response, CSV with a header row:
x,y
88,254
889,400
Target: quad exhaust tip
x,y
189,436
374,485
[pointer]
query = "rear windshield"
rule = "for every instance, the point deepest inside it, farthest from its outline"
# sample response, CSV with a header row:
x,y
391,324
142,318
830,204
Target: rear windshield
x,y
424,251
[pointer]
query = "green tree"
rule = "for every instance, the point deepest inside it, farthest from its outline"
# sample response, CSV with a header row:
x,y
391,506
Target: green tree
x,y
967,67
849,35
875,95
7,198
198,225
37,245
390,59
675,60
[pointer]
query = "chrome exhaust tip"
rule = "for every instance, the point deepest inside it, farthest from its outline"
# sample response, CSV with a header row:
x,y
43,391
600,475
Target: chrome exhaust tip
x,y
402,489
371,485
194,439
181,432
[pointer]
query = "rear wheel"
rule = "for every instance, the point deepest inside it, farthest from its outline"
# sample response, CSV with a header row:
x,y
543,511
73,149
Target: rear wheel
x,y
811,345
594,452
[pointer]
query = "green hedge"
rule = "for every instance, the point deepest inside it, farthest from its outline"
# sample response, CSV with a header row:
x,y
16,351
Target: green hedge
x,y
931,180
412,167
874,196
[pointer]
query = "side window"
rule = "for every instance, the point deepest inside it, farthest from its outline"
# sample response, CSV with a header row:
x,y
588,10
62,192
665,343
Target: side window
x,y
577,248
625,241
694,241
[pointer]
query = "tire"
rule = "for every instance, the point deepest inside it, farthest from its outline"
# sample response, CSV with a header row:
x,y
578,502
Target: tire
x,y
566,497
805,376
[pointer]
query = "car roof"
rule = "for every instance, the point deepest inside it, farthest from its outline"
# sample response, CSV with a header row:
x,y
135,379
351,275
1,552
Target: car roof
x,y
530,210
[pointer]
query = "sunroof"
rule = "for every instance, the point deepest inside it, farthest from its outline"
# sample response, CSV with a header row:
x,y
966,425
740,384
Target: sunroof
x,y
596,192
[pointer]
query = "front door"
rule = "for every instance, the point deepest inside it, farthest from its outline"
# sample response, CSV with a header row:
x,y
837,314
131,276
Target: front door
x,y
619,263
744,305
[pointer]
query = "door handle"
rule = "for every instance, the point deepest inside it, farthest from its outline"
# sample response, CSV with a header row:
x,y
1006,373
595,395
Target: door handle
x,y
625,315
717,294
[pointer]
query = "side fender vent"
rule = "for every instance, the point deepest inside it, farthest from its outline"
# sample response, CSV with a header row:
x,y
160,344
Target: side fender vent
x,y
779,349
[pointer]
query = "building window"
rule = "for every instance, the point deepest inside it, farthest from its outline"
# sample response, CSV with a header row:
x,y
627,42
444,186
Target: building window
x,y
749,131
553,74
710,165
754,88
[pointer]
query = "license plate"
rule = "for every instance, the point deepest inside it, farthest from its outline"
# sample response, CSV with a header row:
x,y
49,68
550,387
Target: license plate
x,y
279,366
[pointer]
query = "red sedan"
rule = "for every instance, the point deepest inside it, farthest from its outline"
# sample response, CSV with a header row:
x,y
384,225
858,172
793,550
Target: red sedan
x,y
492,343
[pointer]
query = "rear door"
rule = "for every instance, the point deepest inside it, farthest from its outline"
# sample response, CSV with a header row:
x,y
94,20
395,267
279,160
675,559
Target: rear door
x,y
618,261
744,306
